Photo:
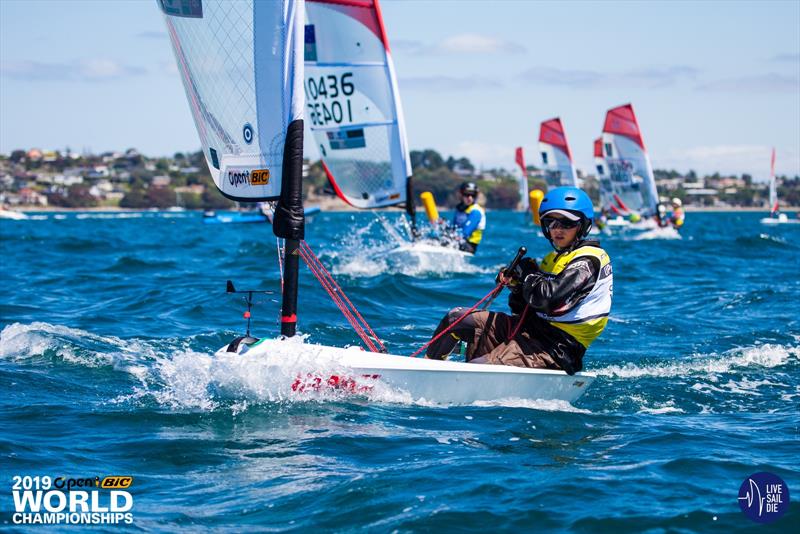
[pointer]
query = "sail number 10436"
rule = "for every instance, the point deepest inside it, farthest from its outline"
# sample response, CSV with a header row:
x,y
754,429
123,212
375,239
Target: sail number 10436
x,y
327,98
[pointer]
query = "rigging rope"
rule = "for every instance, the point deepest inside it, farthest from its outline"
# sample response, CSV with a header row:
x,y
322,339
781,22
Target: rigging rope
x,y
339,298
491,294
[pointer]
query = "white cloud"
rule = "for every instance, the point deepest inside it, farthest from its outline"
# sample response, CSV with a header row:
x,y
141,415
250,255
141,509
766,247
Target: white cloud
x,y
647,77
484,154
448,83
91,70
789,58
764,83
473,43
152,35
730,159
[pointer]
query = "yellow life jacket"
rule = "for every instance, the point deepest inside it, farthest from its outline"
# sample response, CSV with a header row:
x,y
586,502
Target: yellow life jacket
x,y
678,217
588,318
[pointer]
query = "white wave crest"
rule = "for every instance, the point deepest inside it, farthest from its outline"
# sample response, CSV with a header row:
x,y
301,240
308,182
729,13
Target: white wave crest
x,y
767,355
547,405
27,341
658,233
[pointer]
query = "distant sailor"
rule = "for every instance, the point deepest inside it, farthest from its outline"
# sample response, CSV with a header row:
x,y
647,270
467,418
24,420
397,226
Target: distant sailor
x,y
677,217
470,219
558,308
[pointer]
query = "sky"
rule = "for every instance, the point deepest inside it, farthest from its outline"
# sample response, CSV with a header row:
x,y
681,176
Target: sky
x,y
715,85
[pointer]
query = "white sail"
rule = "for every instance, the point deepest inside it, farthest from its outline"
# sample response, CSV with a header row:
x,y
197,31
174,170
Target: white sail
x,y
604,180
556,156
241,65
773,188
628,163
353,104
524,193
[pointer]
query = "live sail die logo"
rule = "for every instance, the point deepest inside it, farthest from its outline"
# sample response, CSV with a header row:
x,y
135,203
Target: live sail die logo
x,y
764,497
76,500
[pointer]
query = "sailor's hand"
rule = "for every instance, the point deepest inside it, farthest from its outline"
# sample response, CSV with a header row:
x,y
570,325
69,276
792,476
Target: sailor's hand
x,y
506,279
527,266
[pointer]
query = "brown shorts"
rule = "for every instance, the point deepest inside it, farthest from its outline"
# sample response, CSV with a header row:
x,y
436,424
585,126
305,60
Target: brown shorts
x,y
491,344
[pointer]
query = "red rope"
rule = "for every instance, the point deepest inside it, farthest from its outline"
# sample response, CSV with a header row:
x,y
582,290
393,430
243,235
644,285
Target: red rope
x,y
343,294
339,298
491,294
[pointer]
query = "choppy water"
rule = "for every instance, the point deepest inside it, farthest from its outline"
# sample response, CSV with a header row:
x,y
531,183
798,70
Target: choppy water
x,y
109,323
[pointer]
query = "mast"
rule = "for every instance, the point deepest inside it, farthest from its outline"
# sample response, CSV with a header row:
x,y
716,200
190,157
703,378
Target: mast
x,y
411,209
247,99
773,186
289,223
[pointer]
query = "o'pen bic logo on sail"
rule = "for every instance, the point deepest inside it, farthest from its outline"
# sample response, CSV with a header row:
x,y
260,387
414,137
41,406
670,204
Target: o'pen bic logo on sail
x,y
764,497
92,500
239,177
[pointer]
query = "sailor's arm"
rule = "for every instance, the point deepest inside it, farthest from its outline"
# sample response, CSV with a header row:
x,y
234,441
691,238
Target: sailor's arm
x,y
561,293
473,220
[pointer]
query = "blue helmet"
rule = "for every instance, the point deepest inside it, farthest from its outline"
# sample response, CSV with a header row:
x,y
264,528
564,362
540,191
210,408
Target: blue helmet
x,y
568,201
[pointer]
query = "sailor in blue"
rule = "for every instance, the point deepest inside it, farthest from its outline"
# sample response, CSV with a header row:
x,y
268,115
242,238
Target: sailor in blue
x,y
469,219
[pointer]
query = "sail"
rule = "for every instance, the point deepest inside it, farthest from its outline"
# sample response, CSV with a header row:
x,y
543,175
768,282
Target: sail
x,y
603,178
523,180
773,189
556,156
353,104
628,162
241,66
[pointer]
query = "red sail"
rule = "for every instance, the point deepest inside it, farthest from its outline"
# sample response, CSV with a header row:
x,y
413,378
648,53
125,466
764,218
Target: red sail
x,y
622,121
520,159
552,133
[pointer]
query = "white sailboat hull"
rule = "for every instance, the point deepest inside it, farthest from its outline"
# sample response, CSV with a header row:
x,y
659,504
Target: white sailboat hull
x,y
780,219
12,215
440,382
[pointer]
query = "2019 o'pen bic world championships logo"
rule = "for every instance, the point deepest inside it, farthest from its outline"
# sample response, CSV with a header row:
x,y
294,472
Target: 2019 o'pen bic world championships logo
x,y
764,497
90,500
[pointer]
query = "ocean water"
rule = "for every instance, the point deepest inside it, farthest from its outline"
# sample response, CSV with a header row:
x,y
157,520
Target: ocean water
x,y
110,321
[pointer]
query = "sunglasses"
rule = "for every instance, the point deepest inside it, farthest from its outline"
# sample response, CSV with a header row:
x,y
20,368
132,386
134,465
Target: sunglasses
x,y
468,195
552,223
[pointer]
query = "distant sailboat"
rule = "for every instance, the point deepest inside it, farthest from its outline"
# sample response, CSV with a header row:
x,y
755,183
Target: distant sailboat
x,y
775,216
524,199
559,169
603,178
630,172
353,104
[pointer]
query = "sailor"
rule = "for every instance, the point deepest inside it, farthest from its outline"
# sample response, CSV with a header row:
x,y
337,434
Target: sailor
x,y
469,220
677,217
558,308
661,216
602,220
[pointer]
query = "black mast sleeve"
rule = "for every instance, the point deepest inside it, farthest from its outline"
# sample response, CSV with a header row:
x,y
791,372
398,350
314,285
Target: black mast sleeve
x,y
289,221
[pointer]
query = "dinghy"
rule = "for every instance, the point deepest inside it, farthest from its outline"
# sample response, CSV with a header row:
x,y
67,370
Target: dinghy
x,y
13,215
524,193
556,156
246,92
630,189
775,216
